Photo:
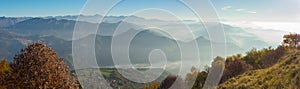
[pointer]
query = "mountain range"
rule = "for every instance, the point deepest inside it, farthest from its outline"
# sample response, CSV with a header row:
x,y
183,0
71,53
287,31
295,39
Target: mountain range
x,y
57,33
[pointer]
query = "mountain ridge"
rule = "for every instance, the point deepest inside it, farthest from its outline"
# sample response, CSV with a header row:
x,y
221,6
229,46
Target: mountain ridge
x,y
283,74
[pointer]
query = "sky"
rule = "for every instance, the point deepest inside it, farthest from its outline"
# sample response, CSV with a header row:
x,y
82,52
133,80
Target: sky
x,y
265,10
257,10
20,8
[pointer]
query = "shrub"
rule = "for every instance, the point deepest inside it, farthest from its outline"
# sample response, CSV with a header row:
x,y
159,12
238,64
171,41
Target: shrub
x,y
196,79
170,81
152,85
254,57
200,80
273,57
234,68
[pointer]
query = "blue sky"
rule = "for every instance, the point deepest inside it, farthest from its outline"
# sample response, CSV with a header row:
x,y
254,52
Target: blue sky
x,y
40,7
227,9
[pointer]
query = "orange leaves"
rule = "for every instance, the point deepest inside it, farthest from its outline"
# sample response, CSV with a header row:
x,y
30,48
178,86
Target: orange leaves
x,y
38,66
291,40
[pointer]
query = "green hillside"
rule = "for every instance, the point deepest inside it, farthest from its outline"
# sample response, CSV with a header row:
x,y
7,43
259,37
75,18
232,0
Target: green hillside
x,y
89,78
284,74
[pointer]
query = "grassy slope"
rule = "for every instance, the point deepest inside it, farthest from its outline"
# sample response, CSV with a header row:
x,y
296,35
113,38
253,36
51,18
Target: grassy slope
x,y
284,74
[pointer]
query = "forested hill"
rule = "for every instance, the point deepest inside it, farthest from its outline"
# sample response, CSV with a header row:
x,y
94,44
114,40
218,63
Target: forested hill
x,y
284,74
268,69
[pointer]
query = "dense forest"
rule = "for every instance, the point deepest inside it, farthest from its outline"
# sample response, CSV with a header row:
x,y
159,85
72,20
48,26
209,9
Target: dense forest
x,y
38,66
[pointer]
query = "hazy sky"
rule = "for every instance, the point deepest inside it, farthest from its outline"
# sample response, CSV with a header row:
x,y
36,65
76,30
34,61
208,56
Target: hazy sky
x,y
266,10
278,10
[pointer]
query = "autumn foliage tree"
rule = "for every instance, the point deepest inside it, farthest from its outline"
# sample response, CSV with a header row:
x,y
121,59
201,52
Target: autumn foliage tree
x,y
5,72
152,85
174,82
196,79
4,66
291,40
38,66
255,57
190,78
272,58
234,68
